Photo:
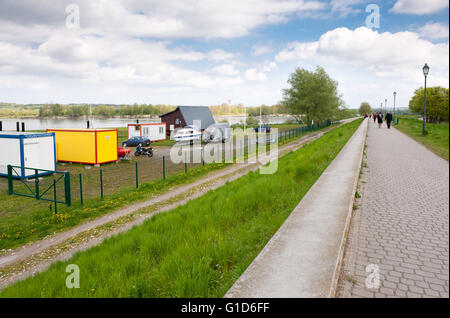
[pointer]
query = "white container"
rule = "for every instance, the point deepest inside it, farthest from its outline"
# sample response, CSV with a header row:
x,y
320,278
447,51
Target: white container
x,y
153,131
30,150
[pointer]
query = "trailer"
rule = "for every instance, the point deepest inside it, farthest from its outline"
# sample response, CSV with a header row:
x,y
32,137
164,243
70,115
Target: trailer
x,y
217,133
89,146
30,150
153,131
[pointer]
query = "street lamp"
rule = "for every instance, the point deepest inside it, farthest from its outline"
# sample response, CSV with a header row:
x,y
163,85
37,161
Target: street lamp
x,y
385,104
425,69
395,94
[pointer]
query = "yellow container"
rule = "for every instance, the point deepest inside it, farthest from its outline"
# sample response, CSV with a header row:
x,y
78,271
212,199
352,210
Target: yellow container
x,y
91,146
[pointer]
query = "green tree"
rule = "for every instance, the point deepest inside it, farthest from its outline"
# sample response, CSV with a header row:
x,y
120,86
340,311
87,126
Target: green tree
x,y
312,96
56,110
364,108
437,103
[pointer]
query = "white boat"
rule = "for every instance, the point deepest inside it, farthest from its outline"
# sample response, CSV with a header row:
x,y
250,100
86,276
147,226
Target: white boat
x,y
187,134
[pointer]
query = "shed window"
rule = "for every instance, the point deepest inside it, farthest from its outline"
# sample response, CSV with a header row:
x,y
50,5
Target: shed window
x,y
177,121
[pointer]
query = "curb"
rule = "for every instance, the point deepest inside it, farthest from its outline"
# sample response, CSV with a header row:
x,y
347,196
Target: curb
x,y
336,274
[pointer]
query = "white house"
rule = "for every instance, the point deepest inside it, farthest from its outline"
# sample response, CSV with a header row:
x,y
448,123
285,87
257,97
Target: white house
x,y
153,131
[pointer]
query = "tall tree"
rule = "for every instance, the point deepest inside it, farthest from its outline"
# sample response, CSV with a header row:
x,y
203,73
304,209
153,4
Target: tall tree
x,y
437,103
364,108
311,96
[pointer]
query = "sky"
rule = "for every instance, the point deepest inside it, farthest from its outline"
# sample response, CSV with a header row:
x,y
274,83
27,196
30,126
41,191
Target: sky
x,y
209,52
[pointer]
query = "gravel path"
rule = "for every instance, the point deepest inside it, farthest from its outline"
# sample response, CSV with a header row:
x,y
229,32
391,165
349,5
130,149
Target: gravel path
x,y
400,232
35,257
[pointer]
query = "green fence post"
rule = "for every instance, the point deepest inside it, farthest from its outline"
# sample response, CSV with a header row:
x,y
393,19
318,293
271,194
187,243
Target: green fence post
x,y
36,183
67,192
81,189
185,163
54,196
203,157
101,184
10,180
137,178
164,167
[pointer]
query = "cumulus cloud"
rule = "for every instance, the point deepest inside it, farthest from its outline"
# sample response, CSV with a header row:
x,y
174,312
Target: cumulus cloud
x,y
419,6
258,50
157,19
389,61
225,70
434,31
383,53
345,7
253,74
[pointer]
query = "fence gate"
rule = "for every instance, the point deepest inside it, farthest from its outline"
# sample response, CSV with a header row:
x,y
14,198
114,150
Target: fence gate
x,y
38,191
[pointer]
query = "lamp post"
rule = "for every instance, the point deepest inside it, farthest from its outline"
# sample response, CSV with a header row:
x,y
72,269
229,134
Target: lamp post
x,y
425,70
385,104
395,94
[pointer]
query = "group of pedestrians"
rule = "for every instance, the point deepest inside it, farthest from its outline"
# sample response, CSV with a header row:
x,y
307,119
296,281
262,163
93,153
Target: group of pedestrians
x,y
379,117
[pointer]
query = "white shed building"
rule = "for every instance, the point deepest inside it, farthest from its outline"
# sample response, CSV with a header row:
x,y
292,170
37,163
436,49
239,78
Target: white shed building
x,y
30,150
153,131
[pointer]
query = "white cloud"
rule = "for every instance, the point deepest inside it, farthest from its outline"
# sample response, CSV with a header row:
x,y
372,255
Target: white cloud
x,y
434,31
419,6
253,74
384,53
391,61
158,19
258,50
225,70
345,7
219,55
269,67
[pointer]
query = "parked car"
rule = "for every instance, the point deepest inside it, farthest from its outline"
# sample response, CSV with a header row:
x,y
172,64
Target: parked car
x,y
262,128
135,141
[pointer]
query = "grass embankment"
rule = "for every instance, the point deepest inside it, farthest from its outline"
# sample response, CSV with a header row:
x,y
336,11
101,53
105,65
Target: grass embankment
x,y
436,139
198,249
38,222
24,220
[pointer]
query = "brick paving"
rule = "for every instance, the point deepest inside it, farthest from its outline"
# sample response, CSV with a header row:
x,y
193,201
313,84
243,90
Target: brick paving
x,y
401,224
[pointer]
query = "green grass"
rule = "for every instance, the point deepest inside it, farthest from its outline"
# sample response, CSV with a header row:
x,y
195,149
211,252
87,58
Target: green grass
x,y
198,249
436,139
24,220
38,222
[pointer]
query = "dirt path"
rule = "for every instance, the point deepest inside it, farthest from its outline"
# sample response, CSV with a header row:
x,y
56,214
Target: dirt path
x,y
35,257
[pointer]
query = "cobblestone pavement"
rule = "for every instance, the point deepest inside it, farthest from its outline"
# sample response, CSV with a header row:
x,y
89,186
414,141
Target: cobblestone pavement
x,y
401,224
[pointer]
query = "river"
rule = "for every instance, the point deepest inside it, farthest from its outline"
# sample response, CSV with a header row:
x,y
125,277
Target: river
x,y
43,124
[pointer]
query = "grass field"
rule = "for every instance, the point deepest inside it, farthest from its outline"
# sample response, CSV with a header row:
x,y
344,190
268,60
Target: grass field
x,y
436,139
24,220
198,249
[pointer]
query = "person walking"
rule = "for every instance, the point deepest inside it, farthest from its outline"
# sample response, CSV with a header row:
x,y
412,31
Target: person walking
x,y
374,115
388,120
380,119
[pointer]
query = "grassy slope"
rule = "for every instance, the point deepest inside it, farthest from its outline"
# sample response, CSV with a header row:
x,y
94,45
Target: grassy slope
x,y
436,140
36,221
198,249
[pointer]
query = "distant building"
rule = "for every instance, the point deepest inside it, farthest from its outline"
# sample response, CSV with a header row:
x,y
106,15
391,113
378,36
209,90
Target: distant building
x,y
185,115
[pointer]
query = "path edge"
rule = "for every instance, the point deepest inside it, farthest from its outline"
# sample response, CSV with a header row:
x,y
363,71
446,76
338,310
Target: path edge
x,y
342,245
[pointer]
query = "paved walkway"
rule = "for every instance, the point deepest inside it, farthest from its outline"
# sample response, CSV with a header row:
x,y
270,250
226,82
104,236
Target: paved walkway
x,y
301,258
402,224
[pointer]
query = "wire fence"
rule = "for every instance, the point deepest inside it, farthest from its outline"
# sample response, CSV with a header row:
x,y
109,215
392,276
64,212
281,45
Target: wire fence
x,y
88,182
